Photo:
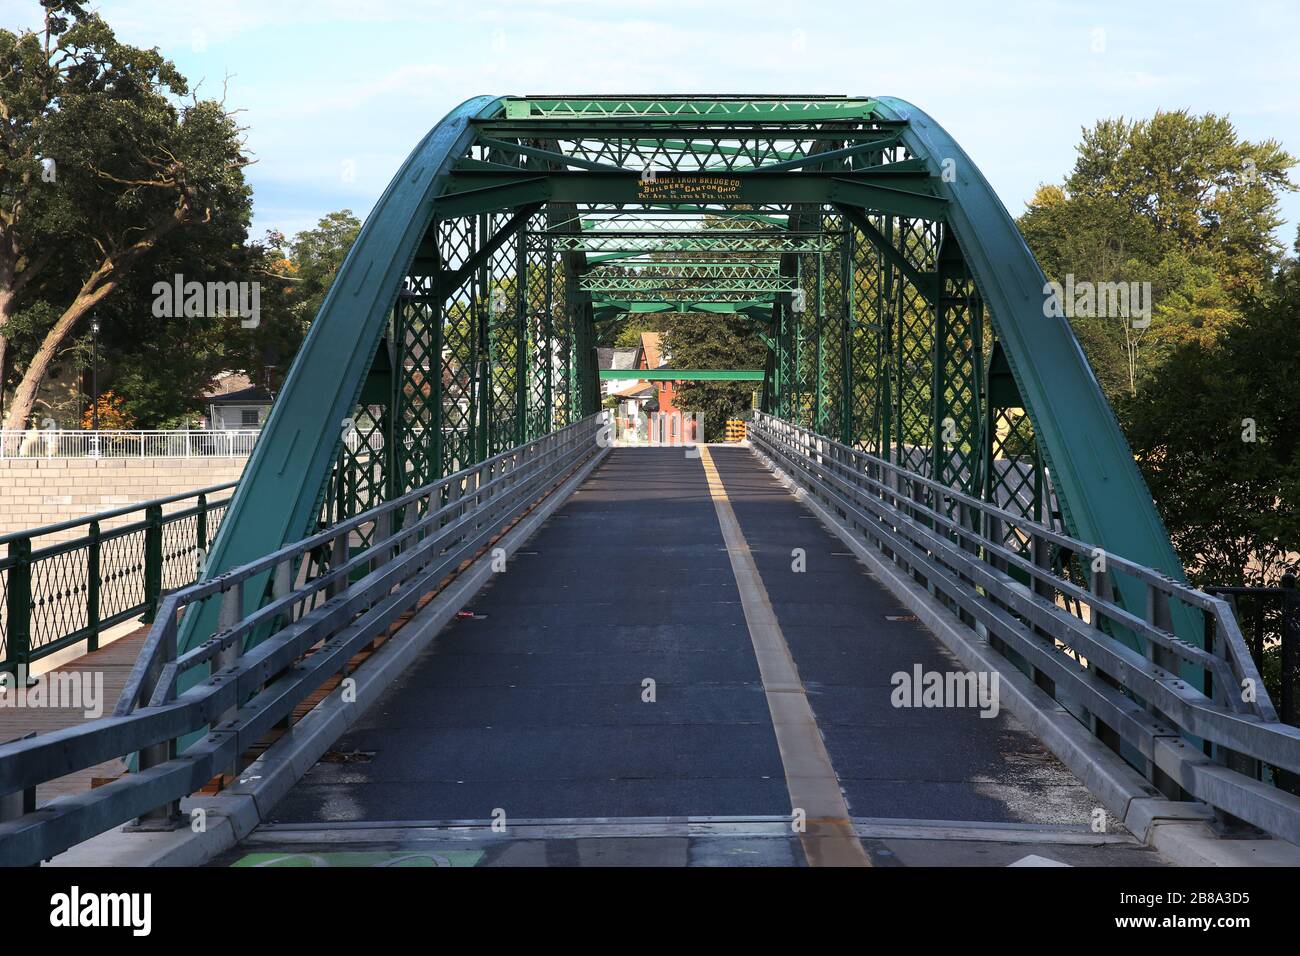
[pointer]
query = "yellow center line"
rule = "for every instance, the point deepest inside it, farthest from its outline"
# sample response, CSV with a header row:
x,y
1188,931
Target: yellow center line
x,y
827,836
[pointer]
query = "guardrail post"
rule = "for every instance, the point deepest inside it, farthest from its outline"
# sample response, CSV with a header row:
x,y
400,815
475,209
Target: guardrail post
x,y
1041,552
381,532
470,499
281,585
966,523
228,616
167,816
201,524
18,606
1103,590
93,587
153,558
338,557
1289,699
1158,616
20,802
994,534
454,490
410,515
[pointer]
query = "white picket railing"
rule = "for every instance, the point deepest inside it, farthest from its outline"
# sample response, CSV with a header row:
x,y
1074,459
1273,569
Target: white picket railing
x,y
177,443
69,443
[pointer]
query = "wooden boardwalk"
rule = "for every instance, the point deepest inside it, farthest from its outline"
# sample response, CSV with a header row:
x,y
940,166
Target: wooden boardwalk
x,y
113,662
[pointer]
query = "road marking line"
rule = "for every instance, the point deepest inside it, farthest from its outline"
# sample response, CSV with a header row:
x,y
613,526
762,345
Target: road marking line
x,y
829,838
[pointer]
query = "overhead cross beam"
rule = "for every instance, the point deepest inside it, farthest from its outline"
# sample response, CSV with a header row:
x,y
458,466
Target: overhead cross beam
x,y
681,375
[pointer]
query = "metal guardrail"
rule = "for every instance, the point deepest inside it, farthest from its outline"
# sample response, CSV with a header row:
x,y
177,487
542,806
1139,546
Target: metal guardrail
x,y
76,443
65,583
1270,618
1025,587
233,688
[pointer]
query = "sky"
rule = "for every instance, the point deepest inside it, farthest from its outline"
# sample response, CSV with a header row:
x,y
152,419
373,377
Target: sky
x,y
335,94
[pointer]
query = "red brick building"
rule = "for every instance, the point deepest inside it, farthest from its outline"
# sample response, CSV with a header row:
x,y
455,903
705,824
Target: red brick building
x,y
650,356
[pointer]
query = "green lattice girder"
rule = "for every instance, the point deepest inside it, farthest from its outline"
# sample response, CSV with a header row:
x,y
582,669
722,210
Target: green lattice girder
x,y
690,108
903,194
675,281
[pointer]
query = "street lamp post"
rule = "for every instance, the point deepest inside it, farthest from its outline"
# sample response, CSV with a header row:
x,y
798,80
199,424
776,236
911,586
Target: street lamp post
x,y
94,381
94,373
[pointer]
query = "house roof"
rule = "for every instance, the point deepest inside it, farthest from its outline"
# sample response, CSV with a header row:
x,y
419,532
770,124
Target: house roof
x,y
616,357
652,349
635,390
245,396
235,388
227,382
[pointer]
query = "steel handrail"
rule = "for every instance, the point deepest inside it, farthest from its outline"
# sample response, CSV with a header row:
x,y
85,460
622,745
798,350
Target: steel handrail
x,y
956,544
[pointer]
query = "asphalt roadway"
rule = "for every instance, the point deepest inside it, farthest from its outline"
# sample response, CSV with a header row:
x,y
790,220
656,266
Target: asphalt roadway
x,y
605,706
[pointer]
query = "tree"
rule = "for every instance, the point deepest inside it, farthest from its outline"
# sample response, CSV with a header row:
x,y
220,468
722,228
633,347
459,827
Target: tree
x,y
1215,438
112,414
1201,187
627,333
709,340
101,167
1179,201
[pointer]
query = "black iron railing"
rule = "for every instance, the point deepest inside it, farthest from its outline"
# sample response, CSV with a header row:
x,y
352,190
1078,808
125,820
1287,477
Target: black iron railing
x,y
65,583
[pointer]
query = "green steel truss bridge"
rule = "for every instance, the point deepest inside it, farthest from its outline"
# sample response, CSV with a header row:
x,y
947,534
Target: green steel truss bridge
x,y
916,393
903,311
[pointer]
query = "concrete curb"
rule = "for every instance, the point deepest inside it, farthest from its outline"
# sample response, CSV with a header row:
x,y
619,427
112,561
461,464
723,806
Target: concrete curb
x,y
233,814
1176,829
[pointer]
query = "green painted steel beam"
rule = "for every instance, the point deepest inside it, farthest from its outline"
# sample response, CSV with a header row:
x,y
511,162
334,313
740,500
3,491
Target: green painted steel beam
x,y
699,268
736,241
690,108
650,304
490,191
698,138
682,375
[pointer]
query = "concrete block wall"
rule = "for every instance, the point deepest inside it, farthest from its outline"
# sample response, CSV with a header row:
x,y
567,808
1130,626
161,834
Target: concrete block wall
x,y
42,491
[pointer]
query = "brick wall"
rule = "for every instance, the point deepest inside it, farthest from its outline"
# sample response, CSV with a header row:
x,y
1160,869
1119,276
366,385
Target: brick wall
x,y
41,491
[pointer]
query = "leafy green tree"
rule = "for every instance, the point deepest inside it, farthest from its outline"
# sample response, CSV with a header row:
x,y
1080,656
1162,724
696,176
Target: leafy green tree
x,y
708,340
295,277
627,334
103,167
1215,437
1196,182
1179,201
